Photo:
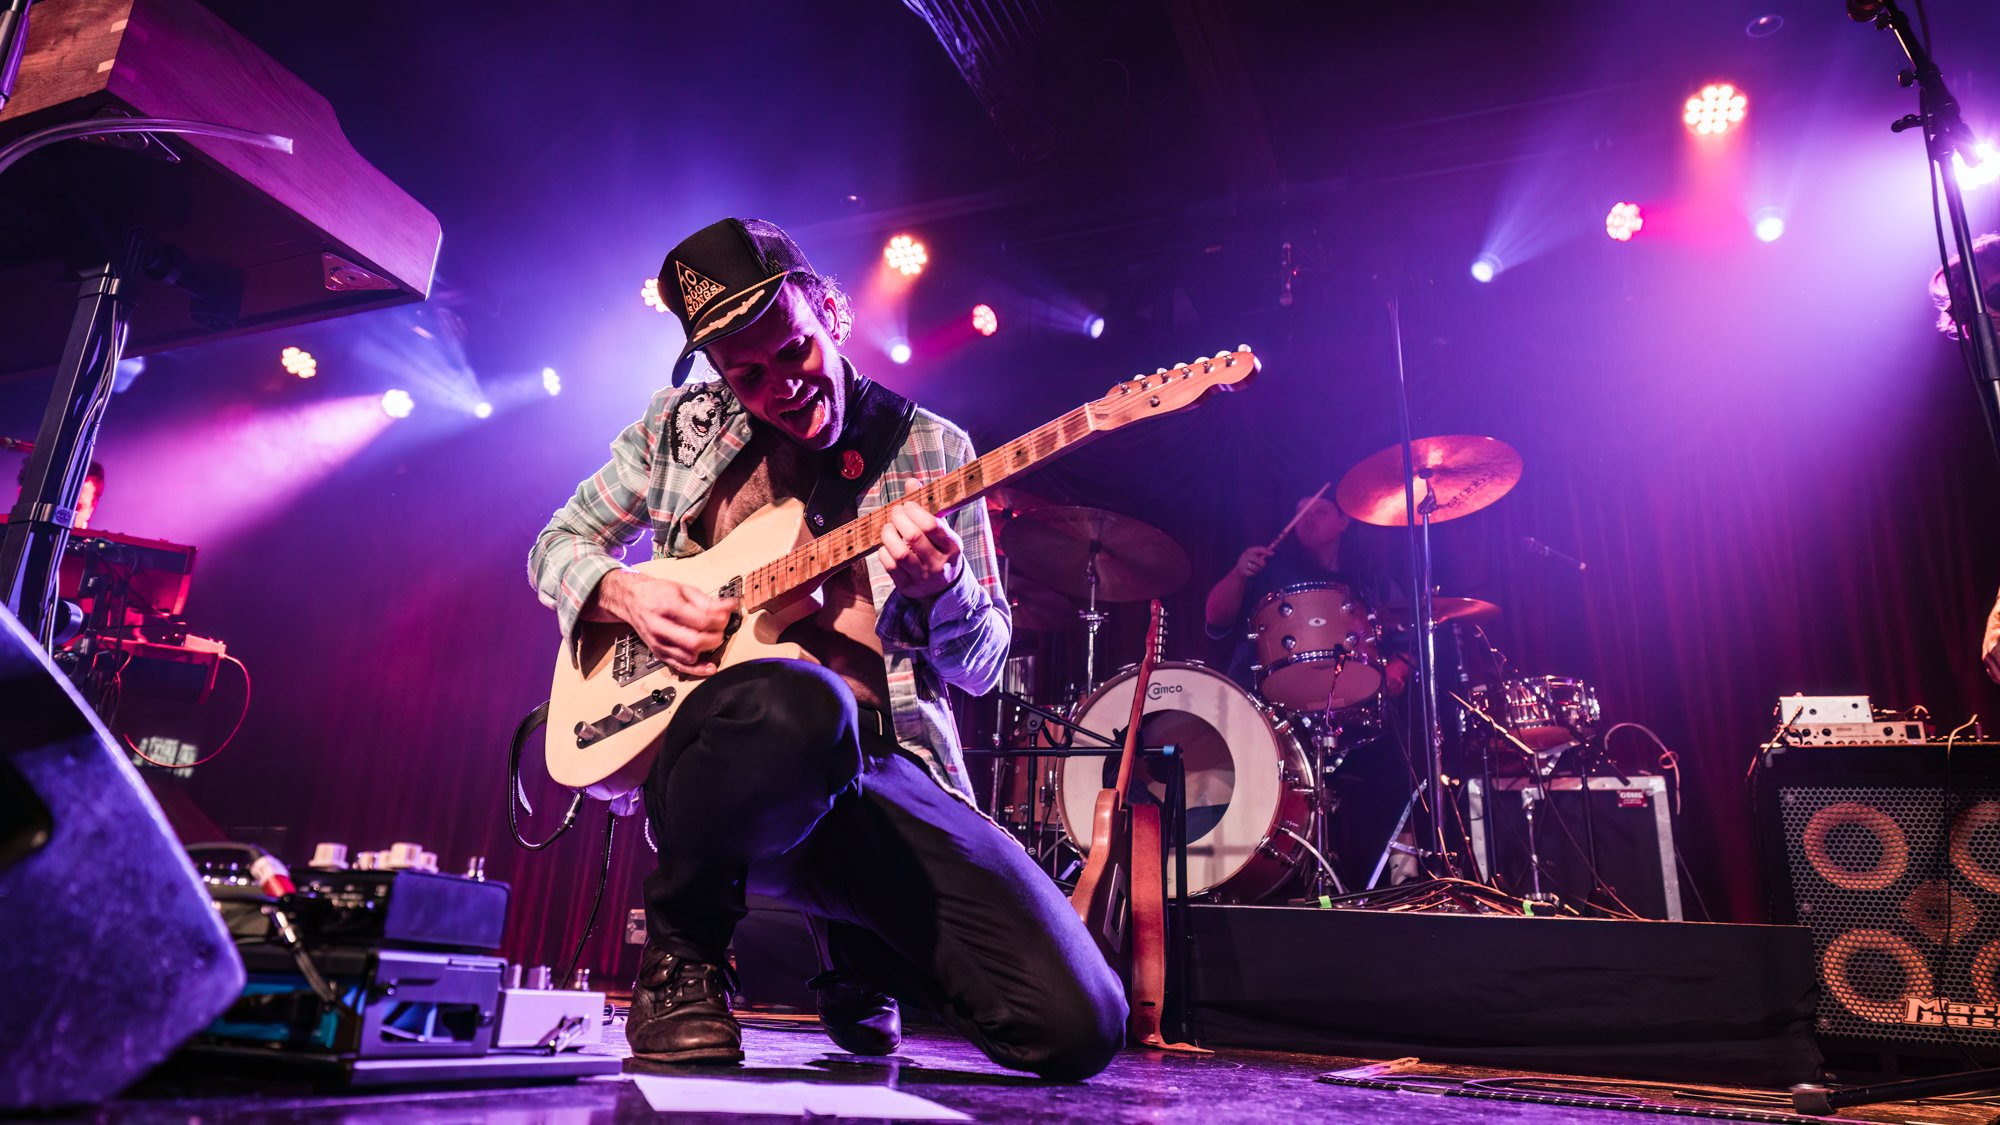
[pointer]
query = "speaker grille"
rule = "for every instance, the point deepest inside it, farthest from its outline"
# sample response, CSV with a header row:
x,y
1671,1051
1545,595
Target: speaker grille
x,y
1899,912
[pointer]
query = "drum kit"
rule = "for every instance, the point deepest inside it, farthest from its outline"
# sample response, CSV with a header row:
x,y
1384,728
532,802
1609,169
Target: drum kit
x,y
1259,761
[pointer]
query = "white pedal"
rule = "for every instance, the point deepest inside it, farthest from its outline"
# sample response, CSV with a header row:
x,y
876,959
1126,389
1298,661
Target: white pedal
x,y
546,1017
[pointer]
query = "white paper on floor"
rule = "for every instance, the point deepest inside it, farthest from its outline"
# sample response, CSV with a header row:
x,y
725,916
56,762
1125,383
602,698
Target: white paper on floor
x,y
792,1099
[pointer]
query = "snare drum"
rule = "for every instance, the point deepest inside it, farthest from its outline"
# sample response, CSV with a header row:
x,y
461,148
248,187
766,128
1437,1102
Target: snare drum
x,y
1316,647
1248,784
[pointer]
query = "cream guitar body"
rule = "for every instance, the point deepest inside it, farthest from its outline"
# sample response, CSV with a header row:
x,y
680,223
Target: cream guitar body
x,y
612,699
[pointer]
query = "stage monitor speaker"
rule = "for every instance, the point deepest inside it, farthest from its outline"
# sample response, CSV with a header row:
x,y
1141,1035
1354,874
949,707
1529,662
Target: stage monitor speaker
x,y
1890,855
111,953
1627,835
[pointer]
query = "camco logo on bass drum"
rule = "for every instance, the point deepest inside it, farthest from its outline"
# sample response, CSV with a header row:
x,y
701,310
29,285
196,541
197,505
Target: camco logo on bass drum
x,y
1155,691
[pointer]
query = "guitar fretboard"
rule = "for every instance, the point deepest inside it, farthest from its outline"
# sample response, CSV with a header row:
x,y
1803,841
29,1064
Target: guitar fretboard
x,y
808,563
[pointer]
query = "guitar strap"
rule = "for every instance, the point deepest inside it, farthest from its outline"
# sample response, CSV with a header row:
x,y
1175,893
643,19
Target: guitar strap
x,y
878,422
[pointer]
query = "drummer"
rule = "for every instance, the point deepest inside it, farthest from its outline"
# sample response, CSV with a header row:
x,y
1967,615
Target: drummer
x,y
1312,554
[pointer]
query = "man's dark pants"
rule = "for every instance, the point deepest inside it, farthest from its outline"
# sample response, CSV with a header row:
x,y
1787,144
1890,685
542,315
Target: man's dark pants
x,y
765,779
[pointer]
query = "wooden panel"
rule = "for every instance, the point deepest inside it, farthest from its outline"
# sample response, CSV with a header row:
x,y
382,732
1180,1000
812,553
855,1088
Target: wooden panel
x,y
249,215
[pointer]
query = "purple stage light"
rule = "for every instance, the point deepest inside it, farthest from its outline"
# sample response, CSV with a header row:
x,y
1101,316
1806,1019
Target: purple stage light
x,y
899,351
483,410
1769,225
1093,327
551,382
1715,109
397,403
1983,169
1485,268
984,320
1623,222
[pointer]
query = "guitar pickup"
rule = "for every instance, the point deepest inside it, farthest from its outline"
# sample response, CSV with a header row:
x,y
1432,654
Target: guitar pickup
x,y
632,660
624,716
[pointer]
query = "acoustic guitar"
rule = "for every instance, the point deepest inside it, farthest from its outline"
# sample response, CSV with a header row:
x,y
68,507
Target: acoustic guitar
x,y
612,698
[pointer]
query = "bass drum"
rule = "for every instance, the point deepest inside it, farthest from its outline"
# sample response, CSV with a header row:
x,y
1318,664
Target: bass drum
x,y
1247,779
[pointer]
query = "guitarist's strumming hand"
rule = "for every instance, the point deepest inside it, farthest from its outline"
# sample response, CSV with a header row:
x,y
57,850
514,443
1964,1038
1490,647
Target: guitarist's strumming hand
x,y
920,553
678,622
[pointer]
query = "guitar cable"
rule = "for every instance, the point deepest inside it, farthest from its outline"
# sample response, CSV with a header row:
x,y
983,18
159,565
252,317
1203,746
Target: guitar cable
x,y
517,794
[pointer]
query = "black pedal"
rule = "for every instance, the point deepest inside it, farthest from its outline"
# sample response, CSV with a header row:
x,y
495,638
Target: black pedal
x,y
419,909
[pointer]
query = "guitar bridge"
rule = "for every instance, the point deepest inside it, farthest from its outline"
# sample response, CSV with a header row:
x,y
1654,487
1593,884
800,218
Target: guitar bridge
x,y
624,716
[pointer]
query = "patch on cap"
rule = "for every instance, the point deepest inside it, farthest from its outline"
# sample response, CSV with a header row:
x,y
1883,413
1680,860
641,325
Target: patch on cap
x,y
696,290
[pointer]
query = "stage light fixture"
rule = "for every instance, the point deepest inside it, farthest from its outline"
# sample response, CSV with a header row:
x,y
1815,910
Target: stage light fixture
x,y
1983,169
1715,109
397,403
551,382
483,410
650,293
299,362
899,351
984,320
906,255
1093,326
1768,225
1624,221
1485,268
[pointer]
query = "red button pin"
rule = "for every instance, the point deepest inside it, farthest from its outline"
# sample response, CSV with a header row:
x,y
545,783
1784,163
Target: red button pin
x,y
851,464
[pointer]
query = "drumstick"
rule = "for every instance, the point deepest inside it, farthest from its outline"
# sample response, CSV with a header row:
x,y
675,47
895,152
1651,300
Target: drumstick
x,y
1297,516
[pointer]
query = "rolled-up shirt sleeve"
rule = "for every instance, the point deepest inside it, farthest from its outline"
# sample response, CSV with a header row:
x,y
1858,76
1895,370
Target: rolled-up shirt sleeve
x,y
586,538
963,633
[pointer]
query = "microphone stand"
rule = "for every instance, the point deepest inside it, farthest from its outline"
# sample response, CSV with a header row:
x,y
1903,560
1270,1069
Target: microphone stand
x,y
1945,135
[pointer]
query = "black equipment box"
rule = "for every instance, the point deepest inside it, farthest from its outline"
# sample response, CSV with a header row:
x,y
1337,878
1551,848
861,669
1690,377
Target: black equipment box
x,y
398,908
1625,834
396,1003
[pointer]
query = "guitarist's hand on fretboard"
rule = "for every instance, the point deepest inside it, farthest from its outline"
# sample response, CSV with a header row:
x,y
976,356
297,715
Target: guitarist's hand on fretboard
x,y
919,551
678,623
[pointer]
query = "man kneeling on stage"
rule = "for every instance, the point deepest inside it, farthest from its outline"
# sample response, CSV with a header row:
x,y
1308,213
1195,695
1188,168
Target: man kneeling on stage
x,y
837,786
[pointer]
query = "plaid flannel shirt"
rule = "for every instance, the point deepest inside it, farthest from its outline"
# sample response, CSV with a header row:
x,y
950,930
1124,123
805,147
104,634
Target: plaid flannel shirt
x,y
661,471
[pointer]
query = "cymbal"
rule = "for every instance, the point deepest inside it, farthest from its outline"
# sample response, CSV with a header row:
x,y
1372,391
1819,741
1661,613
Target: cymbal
x,y
1465,472
1006,501
1135,560
1038,609
1471,610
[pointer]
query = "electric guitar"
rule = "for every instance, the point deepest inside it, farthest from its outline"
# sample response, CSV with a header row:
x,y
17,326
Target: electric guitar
x,y
612,698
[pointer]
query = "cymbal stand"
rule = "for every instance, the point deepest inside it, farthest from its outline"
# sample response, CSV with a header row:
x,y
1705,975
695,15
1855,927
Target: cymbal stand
x,y
1417,516
1093,618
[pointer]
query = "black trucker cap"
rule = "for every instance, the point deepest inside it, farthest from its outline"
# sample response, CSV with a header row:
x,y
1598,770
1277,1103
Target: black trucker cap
x,y
722,277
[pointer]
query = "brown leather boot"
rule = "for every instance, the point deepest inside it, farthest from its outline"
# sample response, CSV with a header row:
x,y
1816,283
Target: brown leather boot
x,y
680,1011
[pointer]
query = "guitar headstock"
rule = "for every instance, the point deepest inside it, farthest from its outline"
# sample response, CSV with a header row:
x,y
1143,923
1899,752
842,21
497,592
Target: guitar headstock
x,y
1171,389
1156,632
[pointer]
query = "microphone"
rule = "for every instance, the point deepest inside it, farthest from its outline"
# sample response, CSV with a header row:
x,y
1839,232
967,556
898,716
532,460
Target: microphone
x,y
1542,550
16,444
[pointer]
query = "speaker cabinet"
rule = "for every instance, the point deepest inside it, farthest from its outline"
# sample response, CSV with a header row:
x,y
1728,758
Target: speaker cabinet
x,y
1890,855
110,951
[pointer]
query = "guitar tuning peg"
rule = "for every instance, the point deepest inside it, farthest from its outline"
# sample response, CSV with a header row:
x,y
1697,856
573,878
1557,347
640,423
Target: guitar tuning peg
x,y
1222,355
1161,371
1242,347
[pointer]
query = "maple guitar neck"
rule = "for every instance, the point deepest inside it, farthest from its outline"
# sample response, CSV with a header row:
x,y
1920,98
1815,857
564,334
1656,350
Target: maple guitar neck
x,y
1164,392
807,564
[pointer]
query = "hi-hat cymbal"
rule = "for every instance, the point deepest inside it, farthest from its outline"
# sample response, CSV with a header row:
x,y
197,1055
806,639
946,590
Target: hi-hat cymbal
x,y
1036,608
1471,610
1465,472
1135,560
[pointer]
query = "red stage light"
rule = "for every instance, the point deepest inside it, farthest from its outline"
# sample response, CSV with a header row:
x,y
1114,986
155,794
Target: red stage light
x,y
1714,109
984,320
1623,222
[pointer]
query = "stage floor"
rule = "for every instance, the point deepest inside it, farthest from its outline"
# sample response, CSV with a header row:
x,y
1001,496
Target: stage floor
x,y
1230,1086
